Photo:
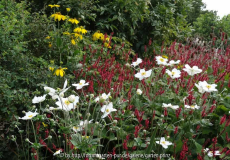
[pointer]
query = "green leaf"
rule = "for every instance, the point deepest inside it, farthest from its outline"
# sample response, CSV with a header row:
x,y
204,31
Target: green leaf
x,y
198,147
59,42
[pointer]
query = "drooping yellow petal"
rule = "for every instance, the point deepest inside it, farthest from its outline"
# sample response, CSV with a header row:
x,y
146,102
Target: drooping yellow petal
x,y
73,42
62,72
57,72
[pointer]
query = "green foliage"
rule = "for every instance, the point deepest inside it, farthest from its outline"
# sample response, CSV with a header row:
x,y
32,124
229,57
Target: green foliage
x,y
20,70
209,19
133,20
196,9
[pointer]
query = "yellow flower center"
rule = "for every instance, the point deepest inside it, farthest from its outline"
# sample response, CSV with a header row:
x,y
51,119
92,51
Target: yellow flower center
x,y
143,73
30,116
162,60
107,110
67,102
192,106
163,142
208,86
80,84
173,73
75,127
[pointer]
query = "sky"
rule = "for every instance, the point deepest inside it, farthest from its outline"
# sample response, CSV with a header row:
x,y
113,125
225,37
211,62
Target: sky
x,y
221,6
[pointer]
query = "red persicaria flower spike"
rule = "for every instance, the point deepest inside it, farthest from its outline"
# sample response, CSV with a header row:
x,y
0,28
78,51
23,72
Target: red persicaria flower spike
x,y
199,157
176,130
38,127
222,120
150,41
147,123
47,133
224,150
165,112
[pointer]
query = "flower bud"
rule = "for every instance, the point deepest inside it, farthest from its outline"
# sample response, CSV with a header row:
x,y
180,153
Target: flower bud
x,y
71,98
79,65
88,114
21,131
27,140
59,136
49,137
24,112
139,92
115,138
91,95
144,131
33,106
127,65
115,121
61,95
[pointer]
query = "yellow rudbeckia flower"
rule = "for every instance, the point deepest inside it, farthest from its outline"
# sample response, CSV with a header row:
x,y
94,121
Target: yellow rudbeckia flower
x,y
60,71
97,35
68,9
55,5
78,30
51,69
107,45
58,16
73,20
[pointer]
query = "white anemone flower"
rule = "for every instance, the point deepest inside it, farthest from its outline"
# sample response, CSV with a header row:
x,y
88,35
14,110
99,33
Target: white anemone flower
x,y
170,106
39,99
193,107
81,84
210,153
57,93
143,74
82,125
29,115
139,92
205,87
57,152
172,62
175,73
164,143
104,97
107,109
139,61
208,87
200,87
77,128
65,104
192,71
161,61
